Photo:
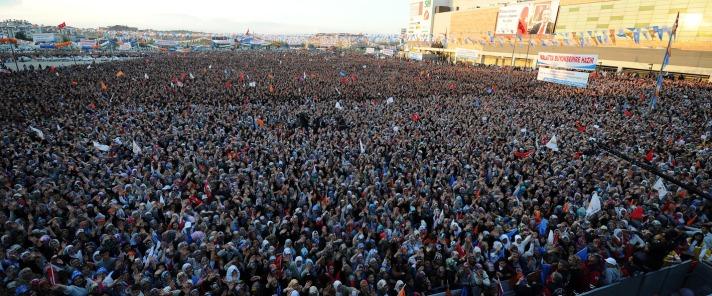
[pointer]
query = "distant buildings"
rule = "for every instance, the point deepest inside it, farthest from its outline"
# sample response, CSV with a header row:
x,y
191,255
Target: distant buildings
x,y
338,40
16,26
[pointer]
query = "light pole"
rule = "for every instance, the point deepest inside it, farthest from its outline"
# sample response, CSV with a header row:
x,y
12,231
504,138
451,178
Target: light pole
x,y
526,60
12,48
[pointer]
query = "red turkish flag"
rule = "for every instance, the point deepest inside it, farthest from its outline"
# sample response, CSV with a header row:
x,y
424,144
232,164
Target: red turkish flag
x,y
649,156
522,154
415,117
62,25
580,127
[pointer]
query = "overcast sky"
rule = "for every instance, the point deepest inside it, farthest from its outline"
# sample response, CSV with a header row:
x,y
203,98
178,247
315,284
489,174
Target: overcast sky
x,y
226,16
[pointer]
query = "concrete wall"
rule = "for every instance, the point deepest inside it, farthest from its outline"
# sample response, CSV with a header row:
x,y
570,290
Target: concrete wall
x,y
441,25
467,27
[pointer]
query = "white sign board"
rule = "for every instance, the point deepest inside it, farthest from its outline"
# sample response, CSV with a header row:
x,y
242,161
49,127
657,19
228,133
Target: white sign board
x,y
586,62
565,77
387,51
467,54
43,38
417,56
370,50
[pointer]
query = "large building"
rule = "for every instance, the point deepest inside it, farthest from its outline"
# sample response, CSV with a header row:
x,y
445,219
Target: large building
x,y
626,34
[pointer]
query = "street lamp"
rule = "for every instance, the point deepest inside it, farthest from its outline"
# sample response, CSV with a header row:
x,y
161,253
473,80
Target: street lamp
x,y
12,48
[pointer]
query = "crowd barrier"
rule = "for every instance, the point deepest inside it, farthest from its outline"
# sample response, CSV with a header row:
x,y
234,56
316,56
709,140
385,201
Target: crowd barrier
x,y
666,281
694,276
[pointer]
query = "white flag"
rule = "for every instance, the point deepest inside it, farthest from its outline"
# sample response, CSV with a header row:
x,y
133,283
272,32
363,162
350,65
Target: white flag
x,y
660,187
145,76
191,76
389,101
210,67
89,67
363,148
253,84
101,147
38,132
136,148
337,90
594,206
550,238
338,106
552,144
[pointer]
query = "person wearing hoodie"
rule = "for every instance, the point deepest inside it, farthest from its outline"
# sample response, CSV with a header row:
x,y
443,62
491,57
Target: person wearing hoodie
x,y
706,251
232,275
521,244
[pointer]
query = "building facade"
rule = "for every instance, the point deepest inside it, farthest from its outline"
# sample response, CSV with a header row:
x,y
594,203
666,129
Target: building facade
x,y
624,33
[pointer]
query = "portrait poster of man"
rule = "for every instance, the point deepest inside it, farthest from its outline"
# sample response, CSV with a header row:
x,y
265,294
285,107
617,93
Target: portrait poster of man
x,y
543,18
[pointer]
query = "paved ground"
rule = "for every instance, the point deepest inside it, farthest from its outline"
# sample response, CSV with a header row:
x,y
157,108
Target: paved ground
x,y
60,63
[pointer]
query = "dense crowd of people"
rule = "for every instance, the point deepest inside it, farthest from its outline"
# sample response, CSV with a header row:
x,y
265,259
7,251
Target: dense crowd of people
x,y
302,173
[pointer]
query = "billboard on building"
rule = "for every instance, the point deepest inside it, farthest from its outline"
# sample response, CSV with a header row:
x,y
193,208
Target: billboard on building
x,y
527,18
43,38
584,62
565,77
87,43
421,17
417,56
167,43
387,51
467,54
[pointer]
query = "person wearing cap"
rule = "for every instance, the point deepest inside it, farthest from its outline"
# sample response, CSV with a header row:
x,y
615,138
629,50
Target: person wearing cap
x,y
612,273
76,287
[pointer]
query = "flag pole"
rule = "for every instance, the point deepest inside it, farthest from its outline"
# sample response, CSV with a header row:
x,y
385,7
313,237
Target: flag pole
x,y
666,60
603,146
514,46
526,60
